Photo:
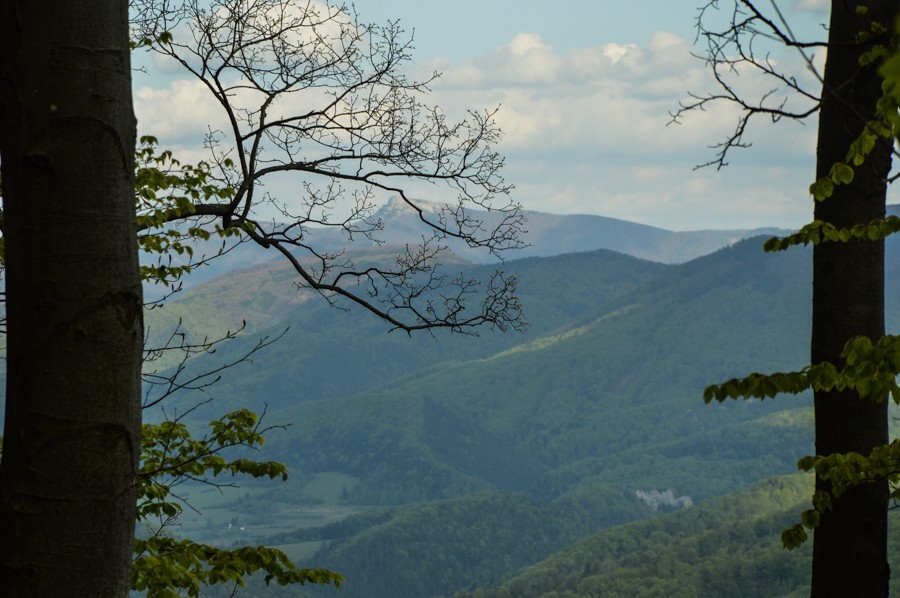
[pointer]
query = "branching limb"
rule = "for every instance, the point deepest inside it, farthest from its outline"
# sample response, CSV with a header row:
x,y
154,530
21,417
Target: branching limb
x,y
160,386
310,93
739,49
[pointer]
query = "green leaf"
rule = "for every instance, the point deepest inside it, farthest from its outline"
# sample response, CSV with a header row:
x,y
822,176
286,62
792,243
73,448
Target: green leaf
x,y
793,537
810,518
841,173
163,566
822,189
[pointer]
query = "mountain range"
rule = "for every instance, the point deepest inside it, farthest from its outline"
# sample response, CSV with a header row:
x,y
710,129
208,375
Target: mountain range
x,y
474,457
554,234
545,235
432,464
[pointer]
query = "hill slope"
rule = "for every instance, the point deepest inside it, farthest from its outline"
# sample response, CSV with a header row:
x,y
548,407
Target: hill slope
x,y
727,546
621,388
331,353
576,421
604,394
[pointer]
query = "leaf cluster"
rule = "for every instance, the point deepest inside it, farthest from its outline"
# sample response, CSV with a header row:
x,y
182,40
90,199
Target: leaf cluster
x,y
819,231
885,125
843,471
166,566
168,190
170,455
869,368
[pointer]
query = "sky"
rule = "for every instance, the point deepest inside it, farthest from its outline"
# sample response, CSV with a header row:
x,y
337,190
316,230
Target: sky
x,y
585,90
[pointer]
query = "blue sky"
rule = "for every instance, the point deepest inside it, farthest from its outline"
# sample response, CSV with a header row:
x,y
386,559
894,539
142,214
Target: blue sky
x,y
584,89
566,25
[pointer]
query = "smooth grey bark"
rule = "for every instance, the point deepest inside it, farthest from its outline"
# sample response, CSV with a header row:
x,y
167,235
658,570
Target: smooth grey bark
x,y
850,544
74,321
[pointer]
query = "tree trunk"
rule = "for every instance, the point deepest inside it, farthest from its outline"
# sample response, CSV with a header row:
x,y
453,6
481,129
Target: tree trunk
x,y
850,543
72,429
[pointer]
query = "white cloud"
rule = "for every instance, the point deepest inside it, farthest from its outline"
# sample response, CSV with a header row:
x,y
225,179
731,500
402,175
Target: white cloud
x,y
812,5
670,195
611,98
585,131
523,43
615,52
183,109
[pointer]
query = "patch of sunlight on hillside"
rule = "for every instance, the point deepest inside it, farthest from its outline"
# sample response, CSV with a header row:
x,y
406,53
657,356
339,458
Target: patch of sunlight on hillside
x,y
553,339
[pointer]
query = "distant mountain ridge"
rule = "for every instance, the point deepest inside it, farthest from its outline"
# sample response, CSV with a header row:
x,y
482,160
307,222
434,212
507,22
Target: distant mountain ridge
x,y
546,235
555,234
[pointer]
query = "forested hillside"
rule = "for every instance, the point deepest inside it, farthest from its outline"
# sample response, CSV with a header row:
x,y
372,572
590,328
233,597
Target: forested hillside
x,y
598,404
466,459
330,352
727,546
614,397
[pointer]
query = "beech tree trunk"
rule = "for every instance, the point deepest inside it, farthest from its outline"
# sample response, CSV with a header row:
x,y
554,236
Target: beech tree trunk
x,y
74,315
850,544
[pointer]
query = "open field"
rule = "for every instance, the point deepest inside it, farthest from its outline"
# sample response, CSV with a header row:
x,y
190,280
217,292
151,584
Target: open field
x,y
251,511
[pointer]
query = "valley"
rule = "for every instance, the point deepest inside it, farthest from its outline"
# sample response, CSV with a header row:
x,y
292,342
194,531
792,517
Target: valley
x,y
468,458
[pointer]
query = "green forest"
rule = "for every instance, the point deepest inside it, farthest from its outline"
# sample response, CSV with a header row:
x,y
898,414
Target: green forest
x,y
313,341
441,486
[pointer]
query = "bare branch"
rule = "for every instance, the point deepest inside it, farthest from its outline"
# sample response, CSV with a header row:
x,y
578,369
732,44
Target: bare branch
x,y
311,93
160,386
739,49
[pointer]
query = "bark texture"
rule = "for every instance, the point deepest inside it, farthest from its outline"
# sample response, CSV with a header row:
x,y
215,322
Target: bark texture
x,y
850,544
71,438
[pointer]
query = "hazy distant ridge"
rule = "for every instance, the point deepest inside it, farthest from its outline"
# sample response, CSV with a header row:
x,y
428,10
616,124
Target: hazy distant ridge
x,y
555,234
546,234
552,234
